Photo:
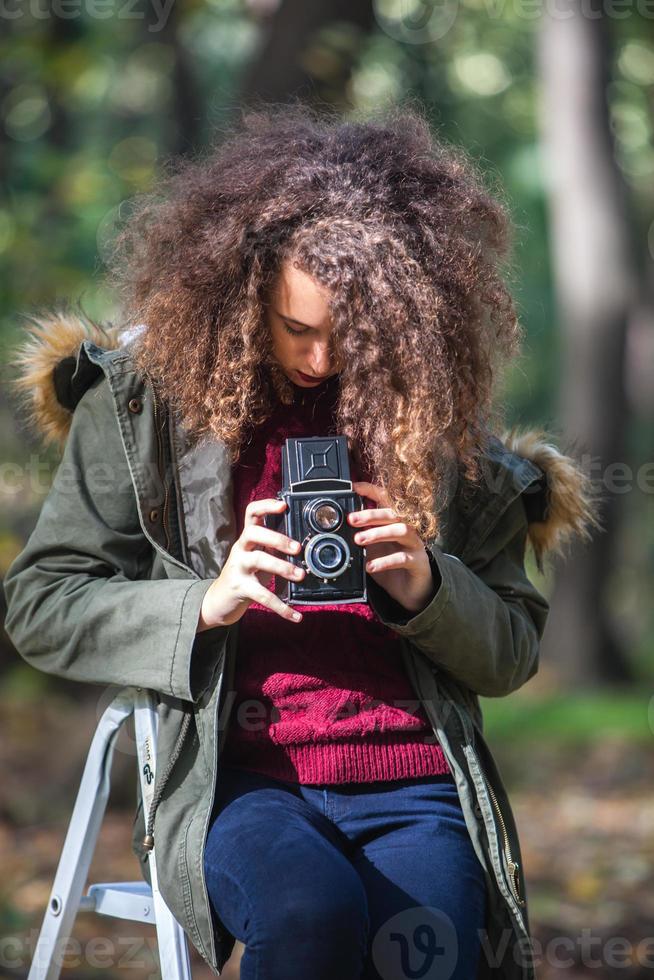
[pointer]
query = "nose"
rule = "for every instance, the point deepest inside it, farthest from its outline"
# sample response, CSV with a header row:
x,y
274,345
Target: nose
x,y
322,359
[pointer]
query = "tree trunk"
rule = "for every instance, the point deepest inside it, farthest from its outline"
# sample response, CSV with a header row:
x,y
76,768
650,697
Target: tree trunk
x,y
592,259
285,67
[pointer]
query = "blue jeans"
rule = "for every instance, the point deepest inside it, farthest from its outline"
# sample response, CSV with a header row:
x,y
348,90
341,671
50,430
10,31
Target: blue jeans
x,y
358,880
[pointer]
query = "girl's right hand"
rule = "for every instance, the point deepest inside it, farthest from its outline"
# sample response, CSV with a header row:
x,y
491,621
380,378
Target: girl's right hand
x,y
248,568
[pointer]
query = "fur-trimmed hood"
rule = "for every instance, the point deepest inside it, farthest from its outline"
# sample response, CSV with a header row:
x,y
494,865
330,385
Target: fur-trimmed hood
x,y
570,502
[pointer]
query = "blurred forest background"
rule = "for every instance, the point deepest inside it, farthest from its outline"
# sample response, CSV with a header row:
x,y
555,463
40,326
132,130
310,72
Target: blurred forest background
x,y
556,103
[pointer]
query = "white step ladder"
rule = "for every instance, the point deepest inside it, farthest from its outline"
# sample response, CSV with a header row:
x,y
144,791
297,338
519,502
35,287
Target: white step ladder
x,y
134,900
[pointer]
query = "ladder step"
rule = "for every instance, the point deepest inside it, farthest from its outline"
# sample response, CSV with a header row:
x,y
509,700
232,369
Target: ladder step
x,y
122,899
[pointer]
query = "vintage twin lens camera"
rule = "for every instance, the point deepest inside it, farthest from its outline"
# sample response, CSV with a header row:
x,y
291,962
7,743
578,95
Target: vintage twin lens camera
x,y
317,488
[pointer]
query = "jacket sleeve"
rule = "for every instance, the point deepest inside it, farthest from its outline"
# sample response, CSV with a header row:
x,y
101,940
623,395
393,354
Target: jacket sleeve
x,y
80,601
486,619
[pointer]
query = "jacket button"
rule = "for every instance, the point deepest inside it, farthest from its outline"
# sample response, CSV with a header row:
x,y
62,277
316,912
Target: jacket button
x,y
154,515
135,405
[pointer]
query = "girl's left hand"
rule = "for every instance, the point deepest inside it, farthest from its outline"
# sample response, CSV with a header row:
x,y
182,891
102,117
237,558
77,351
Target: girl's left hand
x,y
396,555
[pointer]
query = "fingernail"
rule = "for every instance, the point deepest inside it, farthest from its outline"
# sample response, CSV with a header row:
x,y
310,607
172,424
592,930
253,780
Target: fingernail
x,y
297,617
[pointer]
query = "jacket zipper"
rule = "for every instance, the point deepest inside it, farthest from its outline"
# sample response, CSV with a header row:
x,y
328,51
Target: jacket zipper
x,y
513,878
148,841
165,513
513,865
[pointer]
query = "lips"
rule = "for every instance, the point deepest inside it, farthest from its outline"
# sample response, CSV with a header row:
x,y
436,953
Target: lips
x,y
311,377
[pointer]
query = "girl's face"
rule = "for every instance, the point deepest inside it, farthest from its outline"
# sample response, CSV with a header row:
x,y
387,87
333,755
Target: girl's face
x,y
300,326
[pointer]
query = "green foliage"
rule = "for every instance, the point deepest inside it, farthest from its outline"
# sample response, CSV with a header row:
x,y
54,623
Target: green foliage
x,y
564,718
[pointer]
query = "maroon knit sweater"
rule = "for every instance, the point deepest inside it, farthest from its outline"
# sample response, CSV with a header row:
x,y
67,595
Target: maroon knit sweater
x,y
326,700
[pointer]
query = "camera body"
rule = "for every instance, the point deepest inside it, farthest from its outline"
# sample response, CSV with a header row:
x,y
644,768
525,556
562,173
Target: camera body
x,y
317,488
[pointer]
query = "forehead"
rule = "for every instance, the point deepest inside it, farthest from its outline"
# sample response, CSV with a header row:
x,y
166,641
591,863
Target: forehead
x,y
298,295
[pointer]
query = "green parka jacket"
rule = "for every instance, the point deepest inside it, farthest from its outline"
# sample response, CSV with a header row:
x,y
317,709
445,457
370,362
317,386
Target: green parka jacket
x,y
137,524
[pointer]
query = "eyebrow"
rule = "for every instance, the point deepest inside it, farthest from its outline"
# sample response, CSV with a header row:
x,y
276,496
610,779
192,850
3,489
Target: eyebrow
x,y
291,320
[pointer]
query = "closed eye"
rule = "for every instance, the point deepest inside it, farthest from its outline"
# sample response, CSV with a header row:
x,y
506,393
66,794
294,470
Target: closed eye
x,y
294,333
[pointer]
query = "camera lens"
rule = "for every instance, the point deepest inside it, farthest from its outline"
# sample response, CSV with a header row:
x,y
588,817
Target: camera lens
x,y
324,515
327,555
327,517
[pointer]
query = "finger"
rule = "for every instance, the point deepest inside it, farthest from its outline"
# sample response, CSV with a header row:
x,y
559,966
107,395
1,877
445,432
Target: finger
x,y
373,491
387,532
268,599
260,561
256,534
399,559
257,509
378,514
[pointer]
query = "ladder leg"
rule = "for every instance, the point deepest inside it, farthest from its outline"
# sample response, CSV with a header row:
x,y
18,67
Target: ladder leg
x,y
172,944
79,845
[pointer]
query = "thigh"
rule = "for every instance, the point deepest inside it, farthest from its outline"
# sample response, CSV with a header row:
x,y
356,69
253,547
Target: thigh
x,y
279,880
425,886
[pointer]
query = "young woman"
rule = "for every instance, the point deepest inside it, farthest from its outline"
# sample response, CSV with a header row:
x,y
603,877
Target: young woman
x,y
336,804
309,276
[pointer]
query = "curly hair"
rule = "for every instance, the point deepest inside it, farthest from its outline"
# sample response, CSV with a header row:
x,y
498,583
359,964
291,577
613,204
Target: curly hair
x,y
409,242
